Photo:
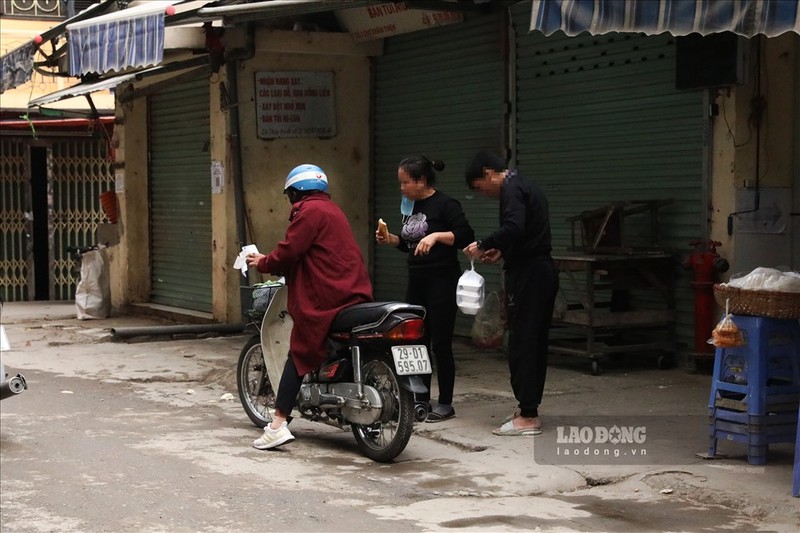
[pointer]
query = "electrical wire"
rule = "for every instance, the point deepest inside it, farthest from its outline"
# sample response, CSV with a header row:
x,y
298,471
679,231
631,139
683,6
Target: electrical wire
x,y
757,107
730,130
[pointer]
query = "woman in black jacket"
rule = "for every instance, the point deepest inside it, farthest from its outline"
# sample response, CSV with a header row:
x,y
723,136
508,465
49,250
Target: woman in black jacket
x,y
433,232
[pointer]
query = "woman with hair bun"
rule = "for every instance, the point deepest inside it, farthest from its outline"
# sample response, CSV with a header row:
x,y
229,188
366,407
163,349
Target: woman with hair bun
x,y
434,229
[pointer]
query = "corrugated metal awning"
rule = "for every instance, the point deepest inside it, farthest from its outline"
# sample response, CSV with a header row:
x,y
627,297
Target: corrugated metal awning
x,y
187,11
86,88
54,122
259,10
678,17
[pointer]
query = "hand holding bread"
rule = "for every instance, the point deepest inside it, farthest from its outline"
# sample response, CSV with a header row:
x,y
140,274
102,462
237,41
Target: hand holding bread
x,y
383,229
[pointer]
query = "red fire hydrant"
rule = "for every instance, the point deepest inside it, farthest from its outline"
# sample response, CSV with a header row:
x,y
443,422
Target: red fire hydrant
x,y
706,264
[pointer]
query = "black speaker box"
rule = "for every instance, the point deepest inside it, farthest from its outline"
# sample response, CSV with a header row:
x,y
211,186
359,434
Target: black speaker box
x,y
715,60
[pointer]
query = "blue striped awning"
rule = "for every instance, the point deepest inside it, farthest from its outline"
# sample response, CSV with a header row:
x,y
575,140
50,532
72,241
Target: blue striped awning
x,y
16,67
678,17
133,37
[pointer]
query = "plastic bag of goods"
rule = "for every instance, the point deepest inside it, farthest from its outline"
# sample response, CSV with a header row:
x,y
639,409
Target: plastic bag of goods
x,y
489,325
727,334
469,292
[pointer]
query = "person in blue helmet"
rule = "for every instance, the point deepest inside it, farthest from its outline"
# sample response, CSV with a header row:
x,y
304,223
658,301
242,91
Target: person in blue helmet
x,y
325,272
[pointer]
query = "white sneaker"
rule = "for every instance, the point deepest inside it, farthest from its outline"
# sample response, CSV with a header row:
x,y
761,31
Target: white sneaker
x,y
272,438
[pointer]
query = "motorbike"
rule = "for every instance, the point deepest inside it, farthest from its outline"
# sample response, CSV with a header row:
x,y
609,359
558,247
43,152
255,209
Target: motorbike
x,y
15,384
369,381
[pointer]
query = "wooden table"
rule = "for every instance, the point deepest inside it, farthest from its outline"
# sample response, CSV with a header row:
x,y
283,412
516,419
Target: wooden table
x,y
615,303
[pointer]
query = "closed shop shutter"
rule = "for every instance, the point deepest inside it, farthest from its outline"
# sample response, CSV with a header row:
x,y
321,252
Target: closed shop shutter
x,y
598,121
180,197
438,93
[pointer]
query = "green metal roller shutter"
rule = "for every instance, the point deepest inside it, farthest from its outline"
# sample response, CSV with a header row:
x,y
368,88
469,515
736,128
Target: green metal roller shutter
x,y
599,120
180,197
438,93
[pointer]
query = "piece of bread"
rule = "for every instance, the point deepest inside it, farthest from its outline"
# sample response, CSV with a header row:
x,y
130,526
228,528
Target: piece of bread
x,y
383,229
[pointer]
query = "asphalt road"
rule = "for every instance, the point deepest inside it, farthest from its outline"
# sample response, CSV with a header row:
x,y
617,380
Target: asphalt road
x,y
140,437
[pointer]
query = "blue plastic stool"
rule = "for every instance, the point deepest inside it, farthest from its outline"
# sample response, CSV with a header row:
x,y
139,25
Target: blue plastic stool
x,y
796,484
755,388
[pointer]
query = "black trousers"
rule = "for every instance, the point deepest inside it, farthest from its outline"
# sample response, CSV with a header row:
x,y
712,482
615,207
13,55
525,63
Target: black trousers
x,y
288,388
435,288
531,288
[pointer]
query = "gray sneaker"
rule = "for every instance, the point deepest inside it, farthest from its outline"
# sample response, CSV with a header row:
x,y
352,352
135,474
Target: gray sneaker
x,y
272,438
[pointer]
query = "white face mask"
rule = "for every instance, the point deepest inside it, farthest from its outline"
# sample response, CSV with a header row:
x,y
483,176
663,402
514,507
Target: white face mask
x,y
406,206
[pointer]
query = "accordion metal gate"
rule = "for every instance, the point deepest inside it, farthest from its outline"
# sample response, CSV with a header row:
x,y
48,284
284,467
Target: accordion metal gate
x,y
60,181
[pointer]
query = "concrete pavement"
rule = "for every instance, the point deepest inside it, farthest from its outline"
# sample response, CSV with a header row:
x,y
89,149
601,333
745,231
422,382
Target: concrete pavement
x,y
669,405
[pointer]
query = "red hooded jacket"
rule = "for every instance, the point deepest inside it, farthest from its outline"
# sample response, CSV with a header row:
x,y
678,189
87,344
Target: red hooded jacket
x,y
324,272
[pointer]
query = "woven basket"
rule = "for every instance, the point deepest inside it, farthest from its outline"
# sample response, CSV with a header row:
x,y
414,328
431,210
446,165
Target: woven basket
x,y
758,303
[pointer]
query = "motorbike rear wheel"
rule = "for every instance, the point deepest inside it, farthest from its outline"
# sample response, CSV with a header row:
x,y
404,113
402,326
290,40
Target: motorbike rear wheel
x,y
387,438
255,390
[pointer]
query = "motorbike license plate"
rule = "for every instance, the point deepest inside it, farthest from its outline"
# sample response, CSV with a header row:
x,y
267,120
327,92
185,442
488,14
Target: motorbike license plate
x,y
411,359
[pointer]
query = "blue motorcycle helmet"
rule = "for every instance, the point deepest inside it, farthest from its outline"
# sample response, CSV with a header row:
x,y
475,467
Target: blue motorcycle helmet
x,y
306,178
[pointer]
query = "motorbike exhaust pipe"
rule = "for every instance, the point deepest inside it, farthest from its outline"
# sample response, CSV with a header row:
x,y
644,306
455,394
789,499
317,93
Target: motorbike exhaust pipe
x,y
420,412
12,387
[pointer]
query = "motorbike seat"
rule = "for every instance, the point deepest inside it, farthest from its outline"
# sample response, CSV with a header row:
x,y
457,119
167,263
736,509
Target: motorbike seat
x,y
370,313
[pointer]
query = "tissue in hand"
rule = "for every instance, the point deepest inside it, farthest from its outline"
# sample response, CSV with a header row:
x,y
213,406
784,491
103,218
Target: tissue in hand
x,y
241,259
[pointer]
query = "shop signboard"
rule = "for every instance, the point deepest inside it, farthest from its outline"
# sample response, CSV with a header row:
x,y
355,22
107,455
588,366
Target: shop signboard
x,y
295,104
392,18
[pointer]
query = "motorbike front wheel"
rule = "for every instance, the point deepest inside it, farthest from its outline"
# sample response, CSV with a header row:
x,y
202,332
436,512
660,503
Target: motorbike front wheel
x,y
255,390
387,438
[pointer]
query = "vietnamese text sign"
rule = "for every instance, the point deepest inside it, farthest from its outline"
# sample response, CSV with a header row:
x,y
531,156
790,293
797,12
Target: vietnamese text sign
x,y
392,18
295,104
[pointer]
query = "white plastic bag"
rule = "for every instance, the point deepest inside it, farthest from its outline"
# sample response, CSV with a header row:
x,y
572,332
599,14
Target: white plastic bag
x,y
469,293
93,293
767,279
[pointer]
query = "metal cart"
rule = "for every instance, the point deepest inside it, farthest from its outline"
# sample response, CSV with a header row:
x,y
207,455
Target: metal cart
x,y
616,304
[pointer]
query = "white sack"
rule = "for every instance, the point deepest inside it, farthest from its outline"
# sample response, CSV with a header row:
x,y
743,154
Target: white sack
x,y
93,294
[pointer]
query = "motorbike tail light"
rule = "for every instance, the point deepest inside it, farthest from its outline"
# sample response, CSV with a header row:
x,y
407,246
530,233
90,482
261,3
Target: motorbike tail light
x,y
329,372
411,329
